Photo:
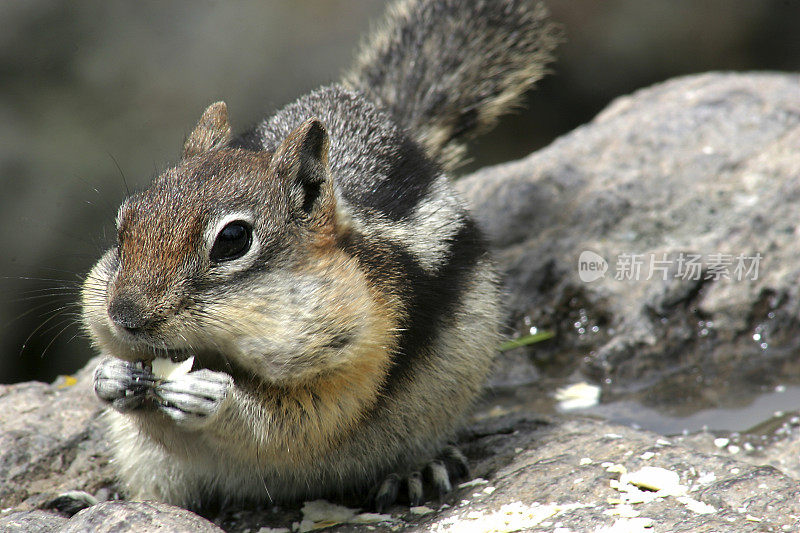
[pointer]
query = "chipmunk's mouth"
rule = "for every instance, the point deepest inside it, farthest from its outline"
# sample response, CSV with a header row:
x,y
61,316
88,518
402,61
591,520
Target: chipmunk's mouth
x,y
181,361
148,347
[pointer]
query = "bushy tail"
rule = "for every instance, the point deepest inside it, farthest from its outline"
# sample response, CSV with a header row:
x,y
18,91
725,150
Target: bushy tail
x,y
447,69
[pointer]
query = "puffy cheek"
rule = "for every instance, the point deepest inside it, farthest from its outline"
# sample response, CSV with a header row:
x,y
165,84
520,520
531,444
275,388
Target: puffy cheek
x,y
294,331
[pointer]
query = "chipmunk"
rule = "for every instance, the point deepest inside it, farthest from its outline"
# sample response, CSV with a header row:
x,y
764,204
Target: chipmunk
x,y
337,299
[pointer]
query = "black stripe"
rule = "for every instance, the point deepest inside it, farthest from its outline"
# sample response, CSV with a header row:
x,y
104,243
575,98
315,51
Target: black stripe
x,y
434,300
430,299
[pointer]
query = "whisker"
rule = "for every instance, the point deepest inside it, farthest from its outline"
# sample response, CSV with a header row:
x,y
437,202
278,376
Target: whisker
x,y
36,308
122,174
69,322
36,330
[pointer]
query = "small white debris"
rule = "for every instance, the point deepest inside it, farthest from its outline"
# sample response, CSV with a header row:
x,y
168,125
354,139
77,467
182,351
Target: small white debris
x,y
751,518
370,518
513,516
420,510
518,450
706,478
663,442
735,471
696,506
577,481
320,514
164,368
612,436
664,482
616,469
733,449
647,456
630,494
586,461
473,483
578,396
489,490
721,442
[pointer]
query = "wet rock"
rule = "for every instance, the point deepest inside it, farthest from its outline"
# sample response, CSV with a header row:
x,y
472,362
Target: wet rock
x,y
528,472
561,472
564,471
698,171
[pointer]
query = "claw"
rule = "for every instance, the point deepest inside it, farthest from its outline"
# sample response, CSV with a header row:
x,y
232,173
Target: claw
x,y
416,495
439,478
387,493
191,399
438,475
456,463
123,384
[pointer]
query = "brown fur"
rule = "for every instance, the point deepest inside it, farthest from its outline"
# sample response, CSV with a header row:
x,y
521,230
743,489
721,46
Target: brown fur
x,y
212,131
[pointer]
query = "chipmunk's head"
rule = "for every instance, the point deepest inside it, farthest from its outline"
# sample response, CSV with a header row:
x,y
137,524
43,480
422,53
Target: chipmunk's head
x,y
231,256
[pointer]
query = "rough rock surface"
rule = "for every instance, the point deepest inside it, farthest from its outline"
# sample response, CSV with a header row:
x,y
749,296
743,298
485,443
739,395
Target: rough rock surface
x,y
529,472
51,441
704,164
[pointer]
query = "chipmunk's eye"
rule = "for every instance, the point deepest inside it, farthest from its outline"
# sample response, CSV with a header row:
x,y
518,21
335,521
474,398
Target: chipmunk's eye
x,y
232,242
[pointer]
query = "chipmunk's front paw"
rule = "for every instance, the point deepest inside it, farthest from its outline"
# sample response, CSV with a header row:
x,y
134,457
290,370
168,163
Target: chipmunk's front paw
x,y
190,400
122,384
449,466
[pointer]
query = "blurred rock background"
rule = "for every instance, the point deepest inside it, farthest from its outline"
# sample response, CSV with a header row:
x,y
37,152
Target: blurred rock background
x,y
97,96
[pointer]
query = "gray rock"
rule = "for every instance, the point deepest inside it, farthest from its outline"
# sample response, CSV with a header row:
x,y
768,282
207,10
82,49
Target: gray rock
x,y
704,165
39,521
558,472
51,441
121,517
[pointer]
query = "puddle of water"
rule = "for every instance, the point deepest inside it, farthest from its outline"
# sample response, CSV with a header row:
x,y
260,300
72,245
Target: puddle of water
x,y
764,407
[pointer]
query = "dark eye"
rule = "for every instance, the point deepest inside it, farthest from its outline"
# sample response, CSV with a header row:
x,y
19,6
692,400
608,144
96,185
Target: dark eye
x,y
232,242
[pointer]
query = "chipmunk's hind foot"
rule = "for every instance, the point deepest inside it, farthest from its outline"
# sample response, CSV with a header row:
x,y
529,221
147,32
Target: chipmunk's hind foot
x,y
434,481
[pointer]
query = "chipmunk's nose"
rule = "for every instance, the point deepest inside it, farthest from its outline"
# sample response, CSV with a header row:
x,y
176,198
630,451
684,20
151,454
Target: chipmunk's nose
x,y
128,314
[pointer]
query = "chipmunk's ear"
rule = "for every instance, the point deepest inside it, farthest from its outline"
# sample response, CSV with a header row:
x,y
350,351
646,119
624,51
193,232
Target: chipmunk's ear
x,y
302,159
212,131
